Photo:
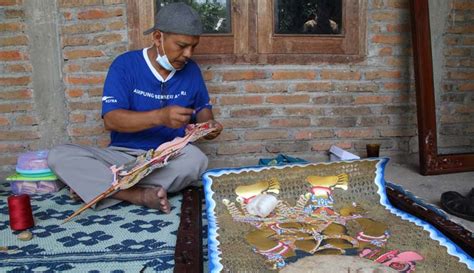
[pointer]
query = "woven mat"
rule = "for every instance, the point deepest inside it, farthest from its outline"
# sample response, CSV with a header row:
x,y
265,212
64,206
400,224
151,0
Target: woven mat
x,y
123,238
338,208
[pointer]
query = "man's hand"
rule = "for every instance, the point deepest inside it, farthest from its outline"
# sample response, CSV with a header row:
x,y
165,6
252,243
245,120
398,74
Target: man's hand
x,y
218,129
175,116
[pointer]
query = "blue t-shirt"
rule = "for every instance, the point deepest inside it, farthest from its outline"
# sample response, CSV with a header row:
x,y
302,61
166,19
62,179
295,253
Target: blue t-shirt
x,y
132,83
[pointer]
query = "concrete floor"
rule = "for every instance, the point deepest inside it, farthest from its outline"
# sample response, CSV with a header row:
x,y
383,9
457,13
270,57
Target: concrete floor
x,y
429,188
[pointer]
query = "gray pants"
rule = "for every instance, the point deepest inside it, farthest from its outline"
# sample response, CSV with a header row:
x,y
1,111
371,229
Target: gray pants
x,y
86,170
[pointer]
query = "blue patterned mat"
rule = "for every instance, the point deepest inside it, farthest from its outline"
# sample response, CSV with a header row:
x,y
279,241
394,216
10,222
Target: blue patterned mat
x,y
123,238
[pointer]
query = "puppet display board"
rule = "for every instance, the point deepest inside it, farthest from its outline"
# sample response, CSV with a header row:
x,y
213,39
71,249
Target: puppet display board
x,y
269,219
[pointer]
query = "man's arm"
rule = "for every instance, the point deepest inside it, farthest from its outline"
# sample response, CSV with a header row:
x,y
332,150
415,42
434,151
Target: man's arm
x,y
126,121
204,115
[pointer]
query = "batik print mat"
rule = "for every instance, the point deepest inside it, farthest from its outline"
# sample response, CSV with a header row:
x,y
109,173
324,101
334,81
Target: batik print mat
x,y
338,208
122,238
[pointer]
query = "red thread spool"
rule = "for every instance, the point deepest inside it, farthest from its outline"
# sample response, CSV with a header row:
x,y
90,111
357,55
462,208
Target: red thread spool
x,y
19,209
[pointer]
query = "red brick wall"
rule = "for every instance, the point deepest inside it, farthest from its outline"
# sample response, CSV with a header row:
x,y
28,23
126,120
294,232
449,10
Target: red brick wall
x,y
92,34
18,122
302,110
295,109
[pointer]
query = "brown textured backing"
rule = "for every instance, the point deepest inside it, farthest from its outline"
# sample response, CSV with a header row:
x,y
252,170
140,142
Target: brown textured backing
x,y
237,255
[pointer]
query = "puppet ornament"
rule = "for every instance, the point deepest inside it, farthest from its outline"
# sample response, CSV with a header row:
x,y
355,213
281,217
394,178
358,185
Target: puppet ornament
x,y
128,175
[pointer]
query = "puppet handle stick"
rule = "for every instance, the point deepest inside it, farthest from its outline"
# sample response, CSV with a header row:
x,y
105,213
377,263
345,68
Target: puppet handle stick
x,y
90,204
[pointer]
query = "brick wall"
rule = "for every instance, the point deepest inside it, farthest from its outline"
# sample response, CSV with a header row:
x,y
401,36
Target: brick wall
x,y
266,109
18,122
456,93
304,109
93,32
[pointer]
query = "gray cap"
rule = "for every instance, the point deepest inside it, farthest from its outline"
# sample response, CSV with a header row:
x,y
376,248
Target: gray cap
x,y
177,18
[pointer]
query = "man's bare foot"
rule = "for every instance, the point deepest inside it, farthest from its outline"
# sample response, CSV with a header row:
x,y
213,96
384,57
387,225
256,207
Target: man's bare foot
x,y
73,195
150,197
155,198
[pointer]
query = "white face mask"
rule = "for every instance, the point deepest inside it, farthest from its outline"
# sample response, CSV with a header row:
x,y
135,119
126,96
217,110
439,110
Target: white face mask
x,y
163,61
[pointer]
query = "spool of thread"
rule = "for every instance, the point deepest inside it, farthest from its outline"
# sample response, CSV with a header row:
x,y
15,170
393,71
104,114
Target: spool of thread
x,y
19,209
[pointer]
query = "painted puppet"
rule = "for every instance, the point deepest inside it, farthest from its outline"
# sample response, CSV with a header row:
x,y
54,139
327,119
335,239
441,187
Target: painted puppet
x,y
128,175
311,226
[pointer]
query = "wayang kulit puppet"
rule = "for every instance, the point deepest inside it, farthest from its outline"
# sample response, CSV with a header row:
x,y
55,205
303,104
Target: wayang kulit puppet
x,y
126,176
312,225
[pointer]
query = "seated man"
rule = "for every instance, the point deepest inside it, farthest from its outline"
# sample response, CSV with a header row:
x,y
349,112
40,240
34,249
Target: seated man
x,y
150,95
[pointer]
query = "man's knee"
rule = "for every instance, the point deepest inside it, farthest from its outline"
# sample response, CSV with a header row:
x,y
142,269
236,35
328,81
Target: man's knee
x,y
198,159
61,155
56,156
184,172
204,161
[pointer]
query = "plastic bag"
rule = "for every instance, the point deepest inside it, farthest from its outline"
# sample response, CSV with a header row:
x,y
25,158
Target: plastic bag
x,y
280,159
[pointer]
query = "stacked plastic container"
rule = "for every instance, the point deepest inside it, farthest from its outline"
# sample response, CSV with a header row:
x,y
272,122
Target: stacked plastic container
x,y
33,175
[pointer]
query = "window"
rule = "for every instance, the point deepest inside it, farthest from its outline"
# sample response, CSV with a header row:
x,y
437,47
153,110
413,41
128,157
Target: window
x,y
267,31
307,17
217,22
215,14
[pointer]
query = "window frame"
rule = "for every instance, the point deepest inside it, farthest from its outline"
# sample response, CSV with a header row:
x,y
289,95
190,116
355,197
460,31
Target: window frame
x,y
249,42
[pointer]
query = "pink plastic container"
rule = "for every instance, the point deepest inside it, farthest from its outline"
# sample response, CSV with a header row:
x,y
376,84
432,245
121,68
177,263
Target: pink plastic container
x,y
29,187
